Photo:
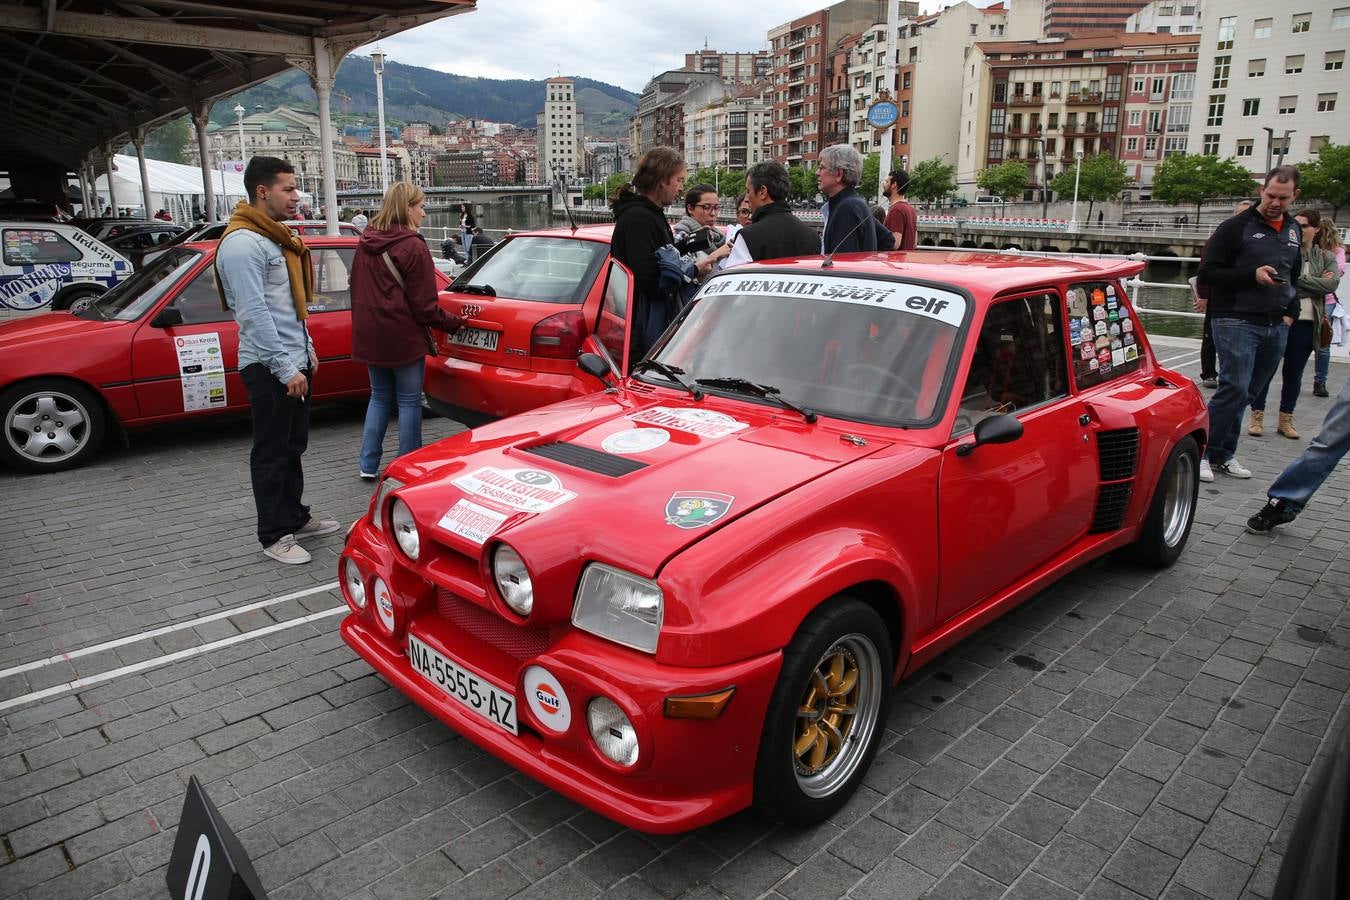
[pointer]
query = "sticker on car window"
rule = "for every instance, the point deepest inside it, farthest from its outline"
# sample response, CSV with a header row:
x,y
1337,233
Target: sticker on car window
x,y
528,490
935,303
702,422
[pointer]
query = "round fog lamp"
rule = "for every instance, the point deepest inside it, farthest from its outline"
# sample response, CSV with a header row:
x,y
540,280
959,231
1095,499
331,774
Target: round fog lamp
x,y
513,579
356,587
613,734
384,604
405,529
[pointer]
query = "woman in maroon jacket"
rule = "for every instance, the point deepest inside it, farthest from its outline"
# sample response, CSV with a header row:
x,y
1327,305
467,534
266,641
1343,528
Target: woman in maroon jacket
x,y
393,308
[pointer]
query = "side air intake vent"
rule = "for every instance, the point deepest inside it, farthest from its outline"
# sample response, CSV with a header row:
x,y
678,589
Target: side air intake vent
x,y
1118,453
1112,499
585,458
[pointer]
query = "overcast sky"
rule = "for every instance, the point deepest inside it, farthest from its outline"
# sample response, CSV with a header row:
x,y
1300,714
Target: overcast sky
x,y
623,42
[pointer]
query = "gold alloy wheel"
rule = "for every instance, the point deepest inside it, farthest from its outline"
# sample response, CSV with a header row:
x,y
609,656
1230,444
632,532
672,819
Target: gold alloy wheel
x,y
836,716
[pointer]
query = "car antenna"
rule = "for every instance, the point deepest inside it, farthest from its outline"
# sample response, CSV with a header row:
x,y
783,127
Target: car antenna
x,y
828,262
562,192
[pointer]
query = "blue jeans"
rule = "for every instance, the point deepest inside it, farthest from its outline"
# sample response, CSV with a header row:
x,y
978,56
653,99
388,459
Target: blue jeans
x,y
1296,351
1322,356
1248,356
403,384
1305,475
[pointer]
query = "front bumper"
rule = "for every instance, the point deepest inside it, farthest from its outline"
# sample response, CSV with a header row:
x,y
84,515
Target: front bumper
x,y
689,772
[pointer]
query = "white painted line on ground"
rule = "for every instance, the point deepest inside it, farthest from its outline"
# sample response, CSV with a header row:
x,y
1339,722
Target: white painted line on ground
x,y
80,683
156,632
1194,354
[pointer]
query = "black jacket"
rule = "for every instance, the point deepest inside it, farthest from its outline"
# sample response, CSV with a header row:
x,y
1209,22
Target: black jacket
x,y
1228,264
775,233
843,231
640,227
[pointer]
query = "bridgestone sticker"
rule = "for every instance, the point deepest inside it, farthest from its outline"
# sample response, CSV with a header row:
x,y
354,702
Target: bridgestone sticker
x,y
934,303
471,521
528,490
702,422
635,440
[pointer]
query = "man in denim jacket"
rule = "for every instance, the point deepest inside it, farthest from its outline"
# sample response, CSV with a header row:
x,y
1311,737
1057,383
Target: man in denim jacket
x,y
265,278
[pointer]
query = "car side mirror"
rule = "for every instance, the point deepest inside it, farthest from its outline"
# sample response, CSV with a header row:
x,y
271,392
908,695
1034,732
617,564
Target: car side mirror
x,y
167,317
1002,429
594,364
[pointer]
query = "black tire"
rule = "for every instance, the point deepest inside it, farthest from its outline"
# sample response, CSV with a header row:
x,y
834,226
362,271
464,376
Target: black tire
x,y
49,425
1167,524
801,777
74,298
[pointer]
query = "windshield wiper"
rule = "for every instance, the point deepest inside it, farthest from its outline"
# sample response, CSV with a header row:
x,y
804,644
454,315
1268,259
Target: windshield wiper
x,y
485,289
766,391
671,372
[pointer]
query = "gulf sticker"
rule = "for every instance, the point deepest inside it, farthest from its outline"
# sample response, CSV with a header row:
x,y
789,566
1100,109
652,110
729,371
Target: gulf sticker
x,y
547,699
528,490
702,422
471,521
696,509
634,440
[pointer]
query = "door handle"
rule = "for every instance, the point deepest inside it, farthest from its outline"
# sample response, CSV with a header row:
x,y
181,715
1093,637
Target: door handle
x,y
1085,419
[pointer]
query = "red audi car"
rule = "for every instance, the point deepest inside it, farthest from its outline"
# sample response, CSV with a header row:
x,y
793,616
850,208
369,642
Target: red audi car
x,y
693,590
156,348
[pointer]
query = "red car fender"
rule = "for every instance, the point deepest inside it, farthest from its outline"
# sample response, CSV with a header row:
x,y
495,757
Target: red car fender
x,y
746,589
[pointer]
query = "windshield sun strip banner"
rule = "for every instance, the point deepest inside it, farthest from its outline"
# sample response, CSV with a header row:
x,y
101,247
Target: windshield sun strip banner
x,y
947,307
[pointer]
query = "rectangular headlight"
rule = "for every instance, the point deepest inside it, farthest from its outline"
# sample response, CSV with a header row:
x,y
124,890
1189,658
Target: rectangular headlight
x,y
387,487
619,606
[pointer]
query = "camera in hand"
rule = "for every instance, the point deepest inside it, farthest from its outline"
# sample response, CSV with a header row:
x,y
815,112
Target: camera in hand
x,y
694,242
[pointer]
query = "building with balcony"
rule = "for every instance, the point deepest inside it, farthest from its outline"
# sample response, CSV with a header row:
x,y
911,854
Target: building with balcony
x,y
1263,68
1159,98
560,129
1167,17
729,132
735,68
838,108
660,116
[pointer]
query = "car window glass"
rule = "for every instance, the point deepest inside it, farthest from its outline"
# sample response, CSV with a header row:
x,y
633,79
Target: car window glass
x,y
1102,329
36,247
548,270
1018,362
332,279
131,298
200,302
614,312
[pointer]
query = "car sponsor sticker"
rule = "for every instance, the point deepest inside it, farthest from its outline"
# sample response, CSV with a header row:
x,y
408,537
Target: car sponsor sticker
x,y
1131,353
36,288
471,521
702,422
201,369
635,440
697,509
922,300
527,490
547,699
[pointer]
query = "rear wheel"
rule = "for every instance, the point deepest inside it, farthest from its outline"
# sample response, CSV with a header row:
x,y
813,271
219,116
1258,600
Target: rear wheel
x,y
1168,522
75,299
824,720
50,425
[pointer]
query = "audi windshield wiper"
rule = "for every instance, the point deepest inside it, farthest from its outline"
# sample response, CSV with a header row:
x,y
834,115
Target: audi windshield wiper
x,y
671,372
766,391
485,289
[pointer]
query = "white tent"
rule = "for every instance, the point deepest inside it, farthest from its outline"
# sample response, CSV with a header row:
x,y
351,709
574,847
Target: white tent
x,y
175,187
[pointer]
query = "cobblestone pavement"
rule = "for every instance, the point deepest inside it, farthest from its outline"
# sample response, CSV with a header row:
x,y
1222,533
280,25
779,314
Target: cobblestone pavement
x,y
1128,733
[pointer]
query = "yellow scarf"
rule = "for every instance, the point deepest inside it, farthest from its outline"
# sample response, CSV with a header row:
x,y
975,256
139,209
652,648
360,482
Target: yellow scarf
x,y
293,250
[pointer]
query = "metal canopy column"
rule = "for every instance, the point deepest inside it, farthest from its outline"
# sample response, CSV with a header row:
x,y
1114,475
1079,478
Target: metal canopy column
x,y
325,68
139,141
85,205
112,191
200,114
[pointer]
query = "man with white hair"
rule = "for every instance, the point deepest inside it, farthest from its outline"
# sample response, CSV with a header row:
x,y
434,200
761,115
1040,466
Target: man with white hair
x,y
848,218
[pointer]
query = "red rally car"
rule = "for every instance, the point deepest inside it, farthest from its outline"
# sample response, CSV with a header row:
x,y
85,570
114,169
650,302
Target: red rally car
x,y
692,591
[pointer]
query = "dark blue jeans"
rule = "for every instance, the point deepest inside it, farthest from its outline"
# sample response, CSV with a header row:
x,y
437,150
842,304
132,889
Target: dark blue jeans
x,y
391,387
1248,357
1297,349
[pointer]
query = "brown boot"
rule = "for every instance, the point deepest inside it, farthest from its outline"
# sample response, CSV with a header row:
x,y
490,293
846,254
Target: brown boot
x,y
1257,426
1286,426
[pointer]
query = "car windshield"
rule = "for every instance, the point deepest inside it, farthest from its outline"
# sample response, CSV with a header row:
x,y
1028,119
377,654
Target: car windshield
x,y
851,347
130,299
546,269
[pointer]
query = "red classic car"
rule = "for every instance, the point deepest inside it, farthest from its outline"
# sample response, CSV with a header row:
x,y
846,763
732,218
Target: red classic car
x,y
692,591
530,302
156,348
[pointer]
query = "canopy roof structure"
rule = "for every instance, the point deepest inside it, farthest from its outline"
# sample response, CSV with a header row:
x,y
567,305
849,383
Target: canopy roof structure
x,y
83,74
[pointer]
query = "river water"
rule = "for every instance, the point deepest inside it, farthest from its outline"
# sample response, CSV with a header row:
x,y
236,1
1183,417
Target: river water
x,y
519,213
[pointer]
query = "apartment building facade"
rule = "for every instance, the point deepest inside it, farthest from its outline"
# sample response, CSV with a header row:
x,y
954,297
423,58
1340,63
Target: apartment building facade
x,y
1081,18
560,129
736,68
1168,17
730,132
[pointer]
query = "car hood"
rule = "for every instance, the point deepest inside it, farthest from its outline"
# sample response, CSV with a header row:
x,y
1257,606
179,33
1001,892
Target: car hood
x,y
627,483
50,326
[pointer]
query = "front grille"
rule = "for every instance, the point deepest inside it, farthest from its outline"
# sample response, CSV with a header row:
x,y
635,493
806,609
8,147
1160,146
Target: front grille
x,y
517,641
585,458
1118,453
1112,499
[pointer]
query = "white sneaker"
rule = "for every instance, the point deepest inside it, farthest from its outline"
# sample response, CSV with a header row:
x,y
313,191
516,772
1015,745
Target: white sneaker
x,y
318,528
287,551
368,476
1206,473
1234,469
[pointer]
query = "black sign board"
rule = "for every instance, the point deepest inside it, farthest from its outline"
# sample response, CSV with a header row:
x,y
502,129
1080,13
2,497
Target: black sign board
x,y
208,863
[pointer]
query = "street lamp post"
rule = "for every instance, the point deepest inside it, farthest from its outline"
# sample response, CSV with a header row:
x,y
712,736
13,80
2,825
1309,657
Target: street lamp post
x,y
239,115
377,59
1045,177
1077,172
1284,146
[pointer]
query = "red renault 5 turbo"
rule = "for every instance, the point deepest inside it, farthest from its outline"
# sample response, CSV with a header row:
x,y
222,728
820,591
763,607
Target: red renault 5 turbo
x,y
692,592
